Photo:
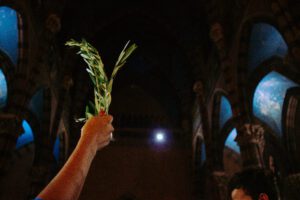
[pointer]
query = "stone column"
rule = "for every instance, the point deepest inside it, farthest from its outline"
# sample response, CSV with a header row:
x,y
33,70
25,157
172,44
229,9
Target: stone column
x,y
199,91
10,129
220,181
217,35
251,140
291,190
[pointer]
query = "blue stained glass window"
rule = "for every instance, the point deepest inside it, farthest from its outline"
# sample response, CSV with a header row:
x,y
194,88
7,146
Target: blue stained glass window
x,y
56,149
36,104
203,153
265,42
230,143
268,99
3,90
25,137
9,33
225,111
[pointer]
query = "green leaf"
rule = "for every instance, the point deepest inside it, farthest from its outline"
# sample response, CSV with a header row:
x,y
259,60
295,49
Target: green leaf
x,y
92,107
95,69
93,79
88,115
80,120
90,72
128,52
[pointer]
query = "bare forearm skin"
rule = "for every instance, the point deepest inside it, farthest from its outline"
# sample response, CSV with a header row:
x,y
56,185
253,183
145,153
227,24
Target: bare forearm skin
x,y
68,183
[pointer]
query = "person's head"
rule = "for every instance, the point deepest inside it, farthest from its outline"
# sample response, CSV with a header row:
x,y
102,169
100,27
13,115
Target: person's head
x,y
252,184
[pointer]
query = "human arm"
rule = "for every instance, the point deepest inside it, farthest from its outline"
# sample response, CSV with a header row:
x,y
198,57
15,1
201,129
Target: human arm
x,y
68,183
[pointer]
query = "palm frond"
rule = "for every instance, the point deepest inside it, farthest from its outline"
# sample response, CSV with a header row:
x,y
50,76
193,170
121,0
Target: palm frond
x,y
95,69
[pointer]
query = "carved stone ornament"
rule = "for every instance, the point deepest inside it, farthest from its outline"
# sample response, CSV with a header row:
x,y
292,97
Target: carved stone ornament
x,y
198,88
67,82
216,32
53,23
251,133
252,143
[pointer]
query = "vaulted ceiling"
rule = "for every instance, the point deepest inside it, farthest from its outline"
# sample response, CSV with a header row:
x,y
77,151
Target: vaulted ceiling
x,y
171,37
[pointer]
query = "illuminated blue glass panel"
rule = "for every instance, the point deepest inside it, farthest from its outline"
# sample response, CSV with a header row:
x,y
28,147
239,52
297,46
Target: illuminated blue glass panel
x,y
3,90
56,149
265,42
36,104
225,111
268,99
203,153
230,143
26,137
9,33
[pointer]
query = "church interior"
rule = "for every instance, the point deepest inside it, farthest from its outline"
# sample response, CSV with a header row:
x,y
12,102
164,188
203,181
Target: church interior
x,y
221,78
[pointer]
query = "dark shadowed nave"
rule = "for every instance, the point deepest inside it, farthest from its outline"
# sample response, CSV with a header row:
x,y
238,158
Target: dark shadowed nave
x,y
212,90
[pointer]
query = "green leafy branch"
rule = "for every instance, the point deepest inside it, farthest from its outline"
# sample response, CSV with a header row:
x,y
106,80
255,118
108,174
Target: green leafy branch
x,y
95,69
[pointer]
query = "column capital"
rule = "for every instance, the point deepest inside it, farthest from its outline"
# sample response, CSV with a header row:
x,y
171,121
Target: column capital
x,y
253,133
216,32
198,88
251,140
53,23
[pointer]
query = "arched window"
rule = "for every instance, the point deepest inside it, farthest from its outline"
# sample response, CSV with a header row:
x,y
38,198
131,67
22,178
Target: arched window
x,y
231,143
26,137
56,148
269,97
203,153
200,153
9,34
225,115
61,144
36,104
9,39
265,42
231,153
225,112
232,160
3,89
36,107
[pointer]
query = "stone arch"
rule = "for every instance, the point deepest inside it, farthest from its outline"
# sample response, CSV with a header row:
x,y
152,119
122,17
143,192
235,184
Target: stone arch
x,y
22,33
219,93
242,103
8,71
276,68
291,127
224,153
219,134
288,26
176,88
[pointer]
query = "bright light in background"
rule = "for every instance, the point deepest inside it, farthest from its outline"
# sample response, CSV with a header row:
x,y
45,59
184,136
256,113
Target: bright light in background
x,y
160,137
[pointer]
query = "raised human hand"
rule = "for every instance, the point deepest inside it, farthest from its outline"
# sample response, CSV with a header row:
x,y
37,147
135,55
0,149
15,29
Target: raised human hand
x,y
97,131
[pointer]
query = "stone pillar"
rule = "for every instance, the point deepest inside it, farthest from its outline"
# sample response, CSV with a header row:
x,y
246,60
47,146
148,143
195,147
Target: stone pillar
x,y
10,129
217,36
203,183
220,181
251,140
291,190
199,91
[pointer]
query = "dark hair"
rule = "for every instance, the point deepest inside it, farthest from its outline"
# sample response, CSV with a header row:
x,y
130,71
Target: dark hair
x,y
253,182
